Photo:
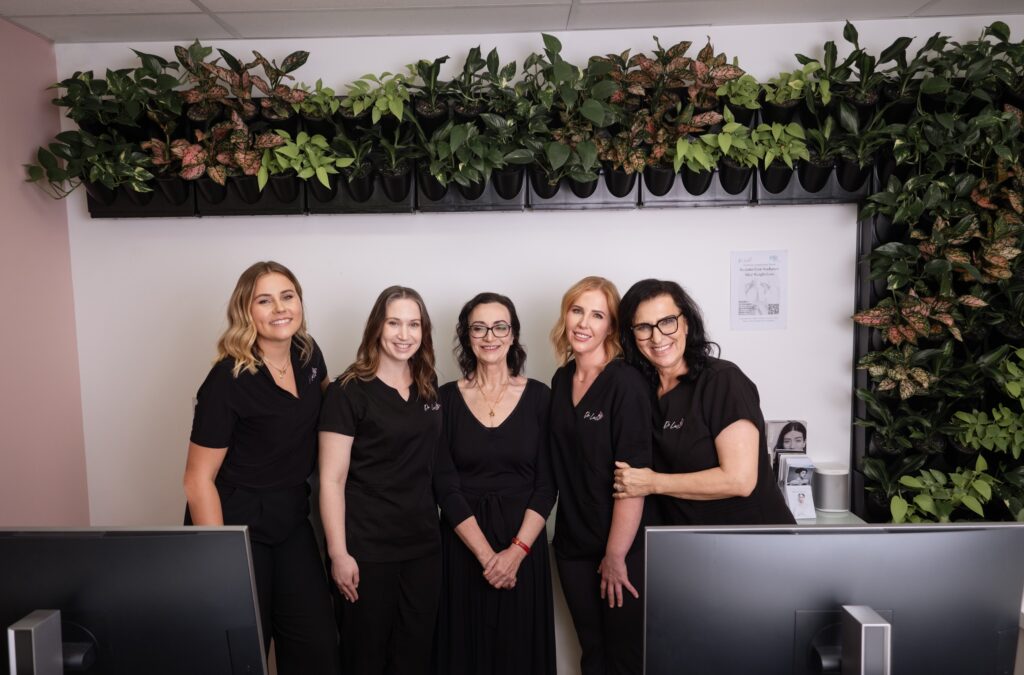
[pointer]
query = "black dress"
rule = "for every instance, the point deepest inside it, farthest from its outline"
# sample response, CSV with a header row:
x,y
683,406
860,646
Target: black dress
x,y
689,418
494,474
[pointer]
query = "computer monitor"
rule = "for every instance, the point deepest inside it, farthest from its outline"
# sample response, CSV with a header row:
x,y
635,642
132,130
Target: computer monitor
x,y
166,600
743,600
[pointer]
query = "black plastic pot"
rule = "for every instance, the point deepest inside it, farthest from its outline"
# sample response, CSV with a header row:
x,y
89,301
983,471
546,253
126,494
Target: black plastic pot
x,y
698,182
321,192
324,127
289,124
354,125
247,187
463,115
886,231
430,117
396,186
781,113
734,178
583,190
659,179
137,198
740,113
473,190
211,192
540,185
850,174
814,175
173,188
433,188
896,109
360,188
618,181
285,186
775,177
508,182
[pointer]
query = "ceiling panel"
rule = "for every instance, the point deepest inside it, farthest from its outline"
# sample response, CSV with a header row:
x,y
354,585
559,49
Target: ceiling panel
x,y
125,27
301,5
976,7
22,8
397,22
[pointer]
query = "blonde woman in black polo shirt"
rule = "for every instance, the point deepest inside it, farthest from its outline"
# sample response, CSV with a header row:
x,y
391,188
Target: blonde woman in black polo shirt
x,y
253,446
379,429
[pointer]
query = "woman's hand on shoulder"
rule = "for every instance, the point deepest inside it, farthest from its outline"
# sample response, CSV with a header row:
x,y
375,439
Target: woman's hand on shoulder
x,y
614,577
501,570
345,572
629,482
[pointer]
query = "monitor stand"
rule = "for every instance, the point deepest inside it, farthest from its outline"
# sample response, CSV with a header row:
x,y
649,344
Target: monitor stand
x,y
867,642
34,644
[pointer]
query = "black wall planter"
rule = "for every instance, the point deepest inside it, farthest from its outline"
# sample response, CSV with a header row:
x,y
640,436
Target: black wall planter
x,y
599,198
235,202
734,178
794,192
814,174
396,186
774,112
540,187
851,175
324,127
285,186
775,177
158,204
456,200
583,189
339,199
508,182
658,179
708,188
431,188
619,182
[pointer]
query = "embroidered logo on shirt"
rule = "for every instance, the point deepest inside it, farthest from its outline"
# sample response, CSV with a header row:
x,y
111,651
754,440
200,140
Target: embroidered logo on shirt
x,y
431,408
312,375
594,417
670,425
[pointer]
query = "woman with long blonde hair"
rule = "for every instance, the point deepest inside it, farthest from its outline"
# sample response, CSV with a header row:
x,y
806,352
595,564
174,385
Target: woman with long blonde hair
x,y
252,449
379,429
600,414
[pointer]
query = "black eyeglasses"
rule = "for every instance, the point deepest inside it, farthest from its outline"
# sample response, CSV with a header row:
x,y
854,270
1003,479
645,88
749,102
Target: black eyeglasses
x,y
479,330
666,326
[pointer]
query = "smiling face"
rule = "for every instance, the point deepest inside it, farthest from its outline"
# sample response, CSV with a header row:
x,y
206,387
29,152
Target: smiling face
x,y
490,349
402,331
276,309
587,323
794,440
665,352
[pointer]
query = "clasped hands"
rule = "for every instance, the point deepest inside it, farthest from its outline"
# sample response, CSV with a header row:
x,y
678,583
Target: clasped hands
x,y
501,569
629,482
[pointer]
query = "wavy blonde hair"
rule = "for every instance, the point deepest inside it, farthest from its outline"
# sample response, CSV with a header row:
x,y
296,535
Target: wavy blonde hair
x,y
368,356
239,340
559,340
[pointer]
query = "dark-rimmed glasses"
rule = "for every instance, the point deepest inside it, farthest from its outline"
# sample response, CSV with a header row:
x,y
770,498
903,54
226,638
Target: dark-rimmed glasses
x,y
499,330
667,325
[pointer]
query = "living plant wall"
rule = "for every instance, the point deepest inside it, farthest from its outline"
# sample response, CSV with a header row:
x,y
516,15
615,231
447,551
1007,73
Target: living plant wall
x,y
928,141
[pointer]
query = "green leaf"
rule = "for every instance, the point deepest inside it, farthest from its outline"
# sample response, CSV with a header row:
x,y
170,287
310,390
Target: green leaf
x,y
725,142
551,43
898,507
520,156
458,136
934,85
604,89
322,176
974,505
593,111
262,177
912,482
588,154
983,488
557,154
925,503
563,71
980,465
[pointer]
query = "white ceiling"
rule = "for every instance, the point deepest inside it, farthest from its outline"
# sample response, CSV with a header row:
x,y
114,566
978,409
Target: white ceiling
x,y
65,21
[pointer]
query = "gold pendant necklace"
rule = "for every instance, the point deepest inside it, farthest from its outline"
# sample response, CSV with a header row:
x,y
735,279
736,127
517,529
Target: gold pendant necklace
x,y
504,386
281,371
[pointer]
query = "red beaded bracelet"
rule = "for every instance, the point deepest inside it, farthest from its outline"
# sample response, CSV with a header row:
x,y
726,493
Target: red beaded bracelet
x,y
521,544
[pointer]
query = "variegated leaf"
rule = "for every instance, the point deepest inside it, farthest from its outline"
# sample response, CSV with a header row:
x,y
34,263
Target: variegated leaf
x,y
218,174
971,301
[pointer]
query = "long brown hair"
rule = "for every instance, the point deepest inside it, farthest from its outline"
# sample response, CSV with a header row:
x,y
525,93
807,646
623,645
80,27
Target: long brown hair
x,y
239,340
368,356
612,346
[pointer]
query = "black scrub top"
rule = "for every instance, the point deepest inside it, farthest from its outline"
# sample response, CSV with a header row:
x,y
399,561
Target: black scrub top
x,y
390,514
610,423
688,420
269,433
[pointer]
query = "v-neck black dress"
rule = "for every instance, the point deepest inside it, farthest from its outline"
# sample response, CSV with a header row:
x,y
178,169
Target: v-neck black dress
x,y
495,474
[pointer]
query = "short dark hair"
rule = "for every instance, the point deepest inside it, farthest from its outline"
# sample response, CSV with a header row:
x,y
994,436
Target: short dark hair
x,y
698,346
791,426
516,357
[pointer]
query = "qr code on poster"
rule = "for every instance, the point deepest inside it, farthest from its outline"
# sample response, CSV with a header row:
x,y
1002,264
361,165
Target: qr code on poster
x,y
773,308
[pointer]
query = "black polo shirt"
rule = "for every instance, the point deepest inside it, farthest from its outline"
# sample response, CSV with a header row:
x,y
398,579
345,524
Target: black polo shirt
x,y
612,422
269,433
688,421
390,513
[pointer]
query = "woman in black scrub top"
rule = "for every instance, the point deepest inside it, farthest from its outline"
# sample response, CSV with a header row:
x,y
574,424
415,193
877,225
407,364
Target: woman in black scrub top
x,y
378,433
253,446
494,485
711,464
600,414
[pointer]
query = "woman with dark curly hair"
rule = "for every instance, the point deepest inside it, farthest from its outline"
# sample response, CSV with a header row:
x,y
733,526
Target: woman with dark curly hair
x,y
711,463
493,482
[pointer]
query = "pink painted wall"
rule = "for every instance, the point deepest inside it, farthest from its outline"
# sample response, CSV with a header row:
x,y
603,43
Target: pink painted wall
x,y
42,451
